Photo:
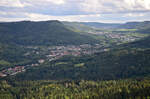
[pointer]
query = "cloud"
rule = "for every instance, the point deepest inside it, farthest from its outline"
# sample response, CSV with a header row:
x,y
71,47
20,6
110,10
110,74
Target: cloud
x,y
75,10
42,17
11,3
134,15
139,4
115,6
58,2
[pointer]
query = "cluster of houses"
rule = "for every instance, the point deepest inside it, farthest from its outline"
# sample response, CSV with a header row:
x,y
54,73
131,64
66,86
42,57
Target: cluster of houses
x,y
121,37
60,51
12,71
52,53
18,69
55,52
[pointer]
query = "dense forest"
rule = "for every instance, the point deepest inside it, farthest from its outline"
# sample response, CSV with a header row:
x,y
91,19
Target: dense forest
x,y
41,33
116,72
114,89
124,61
101,66
11,55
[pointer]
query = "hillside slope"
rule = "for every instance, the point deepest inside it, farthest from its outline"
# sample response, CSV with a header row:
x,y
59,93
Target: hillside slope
x,y
143,43
77,26
123,62
88,26
40,33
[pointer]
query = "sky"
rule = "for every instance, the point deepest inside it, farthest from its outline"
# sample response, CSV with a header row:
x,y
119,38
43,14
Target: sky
x,y
106,11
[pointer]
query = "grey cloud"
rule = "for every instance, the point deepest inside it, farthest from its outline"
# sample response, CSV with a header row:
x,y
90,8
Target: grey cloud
x,y
117,10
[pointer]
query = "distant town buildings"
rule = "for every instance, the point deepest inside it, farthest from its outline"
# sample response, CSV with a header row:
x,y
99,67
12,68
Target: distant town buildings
x,y
12,71
52,53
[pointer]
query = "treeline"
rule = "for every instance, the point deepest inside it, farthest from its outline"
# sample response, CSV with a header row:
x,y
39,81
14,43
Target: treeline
x,y
120,89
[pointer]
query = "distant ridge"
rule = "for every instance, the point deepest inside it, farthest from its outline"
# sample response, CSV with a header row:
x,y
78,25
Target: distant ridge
x,y
40,33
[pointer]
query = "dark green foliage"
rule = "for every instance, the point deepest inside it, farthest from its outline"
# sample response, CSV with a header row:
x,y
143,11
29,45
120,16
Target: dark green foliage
x,y
143,43
101,66
11,55
40,33
77,26
121,89
126,61
70,73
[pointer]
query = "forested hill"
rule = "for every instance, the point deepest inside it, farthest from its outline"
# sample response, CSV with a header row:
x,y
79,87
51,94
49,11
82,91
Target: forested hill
x,y
69,77
40,33
128,61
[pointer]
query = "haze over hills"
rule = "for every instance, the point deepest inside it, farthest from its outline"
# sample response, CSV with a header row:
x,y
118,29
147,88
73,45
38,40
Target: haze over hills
x,y
136,25
102,25
140,26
